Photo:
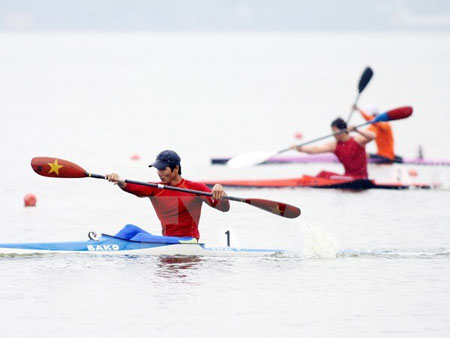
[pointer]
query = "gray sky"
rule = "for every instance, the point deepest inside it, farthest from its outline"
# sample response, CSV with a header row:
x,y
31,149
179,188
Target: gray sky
x,y
224,15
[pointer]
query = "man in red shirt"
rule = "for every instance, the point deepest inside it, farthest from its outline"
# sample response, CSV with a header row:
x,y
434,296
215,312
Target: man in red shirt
x,y
178,212
350,151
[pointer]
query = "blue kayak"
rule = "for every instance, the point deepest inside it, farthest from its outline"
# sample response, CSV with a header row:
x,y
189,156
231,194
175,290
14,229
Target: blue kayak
x,y
148,245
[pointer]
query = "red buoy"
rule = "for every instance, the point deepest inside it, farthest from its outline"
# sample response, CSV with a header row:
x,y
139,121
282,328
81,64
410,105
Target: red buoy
x,y
298,135
29,200
412,172
135,157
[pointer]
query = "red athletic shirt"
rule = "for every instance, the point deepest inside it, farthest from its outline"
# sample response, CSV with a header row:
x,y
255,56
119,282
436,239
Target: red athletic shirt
x,y
353,157
179,212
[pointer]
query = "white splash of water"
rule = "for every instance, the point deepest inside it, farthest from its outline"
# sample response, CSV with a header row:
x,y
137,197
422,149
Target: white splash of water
x,y
317,243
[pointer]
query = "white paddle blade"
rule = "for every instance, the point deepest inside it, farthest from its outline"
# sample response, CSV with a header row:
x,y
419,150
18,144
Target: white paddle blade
x,y
249,159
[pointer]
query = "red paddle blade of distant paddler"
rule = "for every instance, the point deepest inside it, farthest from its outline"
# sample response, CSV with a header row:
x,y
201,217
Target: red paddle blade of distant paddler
x,y
400,113
394,114
56,167
277,208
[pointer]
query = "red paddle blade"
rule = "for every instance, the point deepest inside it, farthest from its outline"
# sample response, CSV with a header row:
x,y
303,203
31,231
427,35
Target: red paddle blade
x,y
394,114
400,113
277,208
56,167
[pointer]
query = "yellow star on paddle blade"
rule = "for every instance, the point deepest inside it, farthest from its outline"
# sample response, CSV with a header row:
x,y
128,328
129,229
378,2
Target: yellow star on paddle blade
x,y
276,210
54,167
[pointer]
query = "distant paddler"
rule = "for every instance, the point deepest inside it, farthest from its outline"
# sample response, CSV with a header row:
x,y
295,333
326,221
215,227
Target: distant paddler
x,y
384,137
349,156
350,151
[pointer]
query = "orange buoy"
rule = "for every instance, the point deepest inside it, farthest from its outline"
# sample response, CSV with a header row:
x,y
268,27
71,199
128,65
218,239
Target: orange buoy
x,y
135,157
298,135
29,200
412,172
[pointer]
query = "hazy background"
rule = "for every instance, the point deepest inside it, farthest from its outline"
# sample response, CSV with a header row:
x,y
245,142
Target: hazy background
x,y
97,81
225,15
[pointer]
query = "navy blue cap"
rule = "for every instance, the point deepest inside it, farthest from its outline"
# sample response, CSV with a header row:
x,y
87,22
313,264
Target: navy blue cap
x,y
165,159
339,124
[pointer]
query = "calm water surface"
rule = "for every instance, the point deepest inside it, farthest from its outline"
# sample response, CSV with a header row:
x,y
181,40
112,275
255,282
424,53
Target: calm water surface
x,y
368,264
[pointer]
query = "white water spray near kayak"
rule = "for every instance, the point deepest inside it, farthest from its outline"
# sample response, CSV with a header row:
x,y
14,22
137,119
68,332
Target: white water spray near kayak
x,y
317,243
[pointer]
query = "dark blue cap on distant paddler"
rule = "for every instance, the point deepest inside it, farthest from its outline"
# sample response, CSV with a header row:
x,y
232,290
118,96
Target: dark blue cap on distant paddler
x,y
166,158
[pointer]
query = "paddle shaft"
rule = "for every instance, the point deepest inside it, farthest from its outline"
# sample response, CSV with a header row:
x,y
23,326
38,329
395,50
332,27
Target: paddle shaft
x,y
56,167
324,137
354,104
169,187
